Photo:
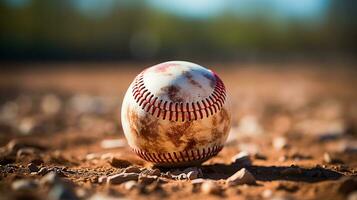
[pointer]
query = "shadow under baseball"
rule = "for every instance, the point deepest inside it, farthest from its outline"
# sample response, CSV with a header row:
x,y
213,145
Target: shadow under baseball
x,y
268,173
271,173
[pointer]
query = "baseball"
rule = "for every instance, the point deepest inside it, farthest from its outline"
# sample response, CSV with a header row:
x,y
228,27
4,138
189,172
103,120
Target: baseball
x,y
175,114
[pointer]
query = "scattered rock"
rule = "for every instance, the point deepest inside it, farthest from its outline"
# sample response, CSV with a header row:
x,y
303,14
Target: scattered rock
x,y
58,171
92,156
51,104
329,159
102,179
114,143
42,171
210,187
106,156
147,179
298,156
27,125
15,145
82,193
182,176
241,159
280,143
32,167
249,125
241,177
154,172
130,185
25,152
132,169
122,177
23,185
282,158
198,181
267,193
119,163
192,175
251,148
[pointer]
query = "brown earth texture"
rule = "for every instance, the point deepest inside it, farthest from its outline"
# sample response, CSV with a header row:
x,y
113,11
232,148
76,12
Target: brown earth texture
x,y
293,135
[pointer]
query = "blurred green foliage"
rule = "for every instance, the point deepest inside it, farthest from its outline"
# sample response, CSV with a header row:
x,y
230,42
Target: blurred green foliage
x,y
57,30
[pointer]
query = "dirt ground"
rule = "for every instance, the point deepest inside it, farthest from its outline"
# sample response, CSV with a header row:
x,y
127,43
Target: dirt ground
x,y
294,128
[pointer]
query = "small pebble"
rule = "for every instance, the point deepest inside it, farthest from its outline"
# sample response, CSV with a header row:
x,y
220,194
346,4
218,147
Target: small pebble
x,y
42,171
192,175
147,179
198,181
25,152
282,158
280,143
132,169
267,193
119,163
210,187
241,177
51,104
154,172
329,159
106,156
114,143
23,185
122,177
241,159
102,179
130,185
182,176
92,156
81,193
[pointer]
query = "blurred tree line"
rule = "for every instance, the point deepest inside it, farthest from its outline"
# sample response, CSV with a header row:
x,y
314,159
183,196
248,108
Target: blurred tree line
x,y
135,31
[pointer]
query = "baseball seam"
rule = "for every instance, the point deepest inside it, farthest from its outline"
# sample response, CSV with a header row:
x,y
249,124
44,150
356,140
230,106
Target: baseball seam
x,y
174,111
180,156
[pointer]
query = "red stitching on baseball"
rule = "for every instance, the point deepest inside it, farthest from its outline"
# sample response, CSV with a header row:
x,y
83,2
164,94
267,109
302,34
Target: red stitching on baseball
x,y
181,156
172,111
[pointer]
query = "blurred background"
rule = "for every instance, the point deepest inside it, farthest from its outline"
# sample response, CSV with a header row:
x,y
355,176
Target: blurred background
x,y
289,67
136,30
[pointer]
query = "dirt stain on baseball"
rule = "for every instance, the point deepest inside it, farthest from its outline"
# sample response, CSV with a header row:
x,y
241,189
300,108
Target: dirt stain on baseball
x,y
147,129
190,79
190,144
172,92
133,117
176,132
211,78
224,116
